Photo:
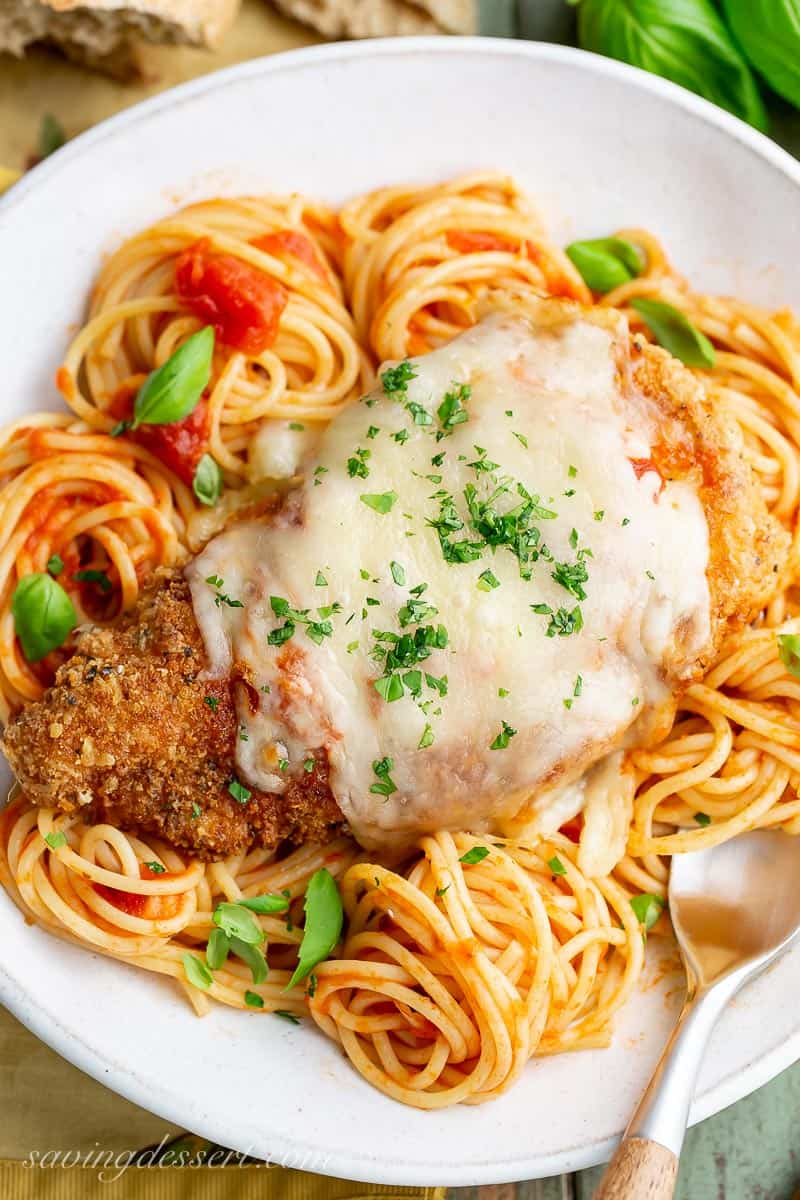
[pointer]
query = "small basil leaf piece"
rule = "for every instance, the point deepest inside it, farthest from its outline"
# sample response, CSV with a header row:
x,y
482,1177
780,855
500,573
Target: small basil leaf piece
x,y
172,391
323,927
702,818
475,855
675,332
789,651
207,482
217,949
252,956
606,263
197,972
237,922
43,615
647,908
56,840
769,33
253,1000
682,40
265,904
92,576
556,866
55,565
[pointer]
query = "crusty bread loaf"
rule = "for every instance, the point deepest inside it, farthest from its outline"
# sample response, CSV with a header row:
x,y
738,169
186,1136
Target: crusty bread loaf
x,y
383,18
105,33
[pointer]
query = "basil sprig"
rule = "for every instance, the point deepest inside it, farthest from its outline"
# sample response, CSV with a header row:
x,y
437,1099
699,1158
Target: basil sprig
x,y
207,482
675,332
769,33
682,40
606,263
172,391
43,615
323,926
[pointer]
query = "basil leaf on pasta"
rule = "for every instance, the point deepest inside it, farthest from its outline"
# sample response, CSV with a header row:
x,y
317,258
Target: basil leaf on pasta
x,y
207,482
217,949
606,263
252,957
789,651
197,972
237,922
647,908
267,903
675,332
323,927
43,614
172,391
682,40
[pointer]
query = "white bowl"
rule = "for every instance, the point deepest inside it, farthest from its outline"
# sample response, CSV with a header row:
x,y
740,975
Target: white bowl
x,y
600,145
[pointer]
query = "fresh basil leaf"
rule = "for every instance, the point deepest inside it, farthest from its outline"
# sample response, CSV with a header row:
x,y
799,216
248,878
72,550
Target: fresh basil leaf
x,y
171,392
56,840
291,1017
252,957
768,32
207,482
43,615
675,332
682,40
265,904
606,263
55,565
92,576
51,136
197,972
789,651
217,949
237,922
702,818
380,502
475,855
323,927
647,908
253,1000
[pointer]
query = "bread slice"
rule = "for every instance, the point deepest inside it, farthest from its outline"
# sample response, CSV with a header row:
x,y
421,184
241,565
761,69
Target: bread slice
x,y
383,18
105,33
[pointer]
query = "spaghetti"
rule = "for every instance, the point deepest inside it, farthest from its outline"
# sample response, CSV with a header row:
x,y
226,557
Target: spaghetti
x,y
461,962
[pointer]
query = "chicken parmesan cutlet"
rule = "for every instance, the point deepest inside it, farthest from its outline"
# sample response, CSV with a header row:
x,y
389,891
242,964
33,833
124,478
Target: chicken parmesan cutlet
x,y
500,567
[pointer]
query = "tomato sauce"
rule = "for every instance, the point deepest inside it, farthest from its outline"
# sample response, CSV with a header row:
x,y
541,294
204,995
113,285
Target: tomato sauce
x,y
289,241
131,903
242,303
181,445
641,466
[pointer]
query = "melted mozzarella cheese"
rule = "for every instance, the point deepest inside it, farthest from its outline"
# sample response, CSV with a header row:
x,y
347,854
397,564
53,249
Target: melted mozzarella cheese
x,y
549,406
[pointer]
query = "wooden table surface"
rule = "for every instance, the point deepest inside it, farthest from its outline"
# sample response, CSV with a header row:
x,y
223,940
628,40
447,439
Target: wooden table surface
x,y
749,1152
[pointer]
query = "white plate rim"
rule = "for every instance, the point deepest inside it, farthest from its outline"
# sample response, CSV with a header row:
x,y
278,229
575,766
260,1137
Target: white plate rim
x,y
13,993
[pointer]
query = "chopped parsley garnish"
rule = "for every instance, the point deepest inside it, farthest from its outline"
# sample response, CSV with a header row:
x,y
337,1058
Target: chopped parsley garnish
x,y
287,1016
239,791
212,702
221,597
599,514
283,764
487,581
647,908
556,866
578,689
702,818
635,701
401,436
440,891
503,738
357,465
296,425
318,473
309,764
502,693
98,577
475,855
320,580
572,472
373,431
379,502
451,411
56,840
563,622
649,574
253,1000
626,521
521,439
438,459
395,380
398,573
572,576
196,810
155,868
384,784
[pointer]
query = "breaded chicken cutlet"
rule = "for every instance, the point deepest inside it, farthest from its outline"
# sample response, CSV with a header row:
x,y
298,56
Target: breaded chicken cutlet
x,y
386,713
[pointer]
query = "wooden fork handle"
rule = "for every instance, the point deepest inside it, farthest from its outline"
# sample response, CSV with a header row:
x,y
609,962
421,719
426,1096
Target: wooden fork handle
x,y
640,1170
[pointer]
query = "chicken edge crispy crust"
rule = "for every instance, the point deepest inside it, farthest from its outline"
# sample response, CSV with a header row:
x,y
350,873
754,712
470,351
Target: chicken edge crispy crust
x,y
133,734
